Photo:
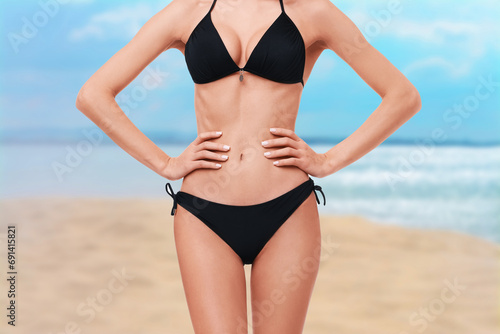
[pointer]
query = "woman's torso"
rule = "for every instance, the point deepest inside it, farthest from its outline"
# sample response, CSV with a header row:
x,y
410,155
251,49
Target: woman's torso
x,y
245,110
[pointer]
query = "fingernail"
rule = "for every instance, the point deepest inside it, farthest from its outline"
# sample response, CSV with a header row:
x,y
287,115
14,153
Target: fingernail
x,y
226,147
219,132
267,154
264,143
224,156
273,130
276,162
218,165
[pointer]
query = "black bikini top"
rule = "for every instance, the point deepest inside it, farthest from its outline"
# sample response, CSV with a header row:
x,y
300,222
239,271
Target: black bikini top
x,y
278,56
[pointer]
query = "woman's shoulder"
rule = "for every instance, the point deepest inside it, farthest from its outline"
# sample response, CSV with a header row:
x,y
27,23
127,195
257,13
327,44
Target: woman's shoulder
x,y
317,18
190,4
313,9
179,15
313,13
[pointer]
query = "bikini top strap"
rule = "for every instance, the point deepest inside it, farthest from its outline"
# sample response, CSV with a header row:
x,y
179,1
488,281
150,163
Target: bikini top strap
x,y
213,4
282,7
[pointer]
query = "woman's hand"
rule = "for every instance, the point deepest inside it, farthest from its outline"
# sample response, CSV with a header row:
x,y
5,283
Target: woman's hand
x,y
197,155
299,153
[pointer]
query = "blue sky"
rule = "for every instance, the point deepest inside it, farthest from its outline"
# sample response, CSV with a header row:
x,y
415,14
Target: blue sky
x,y
444,47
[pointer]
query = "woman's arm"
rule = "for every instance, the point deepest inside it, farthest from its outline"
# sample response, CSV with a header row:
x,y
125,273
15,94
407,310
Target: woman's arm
x,y
400,99
96,98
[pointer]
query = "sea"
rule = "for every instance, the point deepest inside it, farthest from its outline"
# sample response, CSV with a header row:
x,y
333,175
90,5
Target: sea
x,y
430,187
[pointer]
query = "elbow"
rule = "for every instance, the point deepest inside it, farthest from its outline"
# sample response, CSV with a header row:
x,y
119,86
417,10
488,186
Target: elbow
x,y
93,102
90,94
82,99
409,99
414,100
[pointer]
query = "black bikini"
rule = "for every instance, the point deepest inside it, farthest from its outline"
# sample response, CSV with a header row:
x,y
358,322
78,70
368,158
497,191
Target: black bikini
x,y
245,228
279,56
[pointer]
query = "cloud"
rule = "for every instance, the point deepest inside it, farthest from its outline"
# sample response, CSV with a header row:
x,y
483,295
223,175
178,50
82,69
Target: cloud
x,y
456,35
120,23
455,71
435,32
462,43
474,36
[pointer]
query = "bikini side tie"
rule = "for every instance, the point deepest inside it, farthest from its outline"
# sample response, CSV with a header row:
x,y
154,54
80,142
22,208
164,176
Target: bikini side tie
x,y
316,187
170,191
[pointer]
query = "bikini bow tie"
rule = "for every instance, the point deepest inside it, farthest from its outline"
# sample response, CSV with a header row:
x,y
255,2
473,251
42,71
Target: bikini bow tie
x,y
170,191
316,187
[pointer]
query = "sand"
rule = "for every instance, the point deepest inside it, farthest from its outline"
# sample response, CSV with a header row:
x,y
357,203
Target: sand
x,y
119,255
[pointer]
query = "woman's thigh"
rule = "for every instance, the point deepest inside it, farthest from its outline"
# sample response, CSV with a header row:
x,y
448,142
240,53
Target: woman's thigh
x,y
284,273
212,275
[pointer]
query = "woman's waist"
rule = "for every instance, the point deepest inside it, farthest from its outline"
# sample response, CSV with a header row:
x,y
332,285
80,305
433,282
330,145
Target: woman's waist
x,y
249,180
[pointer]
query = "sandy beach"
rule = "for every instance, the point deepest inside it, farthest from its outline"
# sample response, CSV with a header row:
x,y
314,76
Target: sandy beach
x,y
110,266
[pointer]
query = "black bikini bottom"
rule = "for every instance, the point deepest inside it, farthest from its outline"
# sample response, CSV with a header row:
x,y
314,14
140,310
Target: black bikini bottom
x,y
246,228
